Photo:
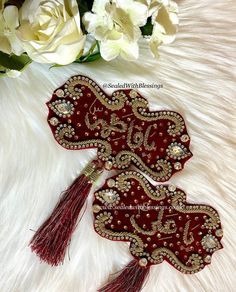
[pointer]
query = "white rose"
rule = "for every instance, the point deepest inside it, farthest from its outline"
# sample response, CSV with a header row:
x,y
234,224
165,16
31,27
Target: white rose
x,y
116,25
8,23
50,31
165,19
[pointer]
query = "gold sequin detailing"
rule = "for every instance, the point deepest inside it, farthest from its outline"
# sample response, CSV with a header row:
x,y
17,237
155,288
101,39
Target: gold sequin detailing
x,y
141,233
140,109
100,226
123,184
187,236
68,131
139,134
136,138
116,103
195,260
157,226
168,227
116,125
178,203
140,229
109,197
123,160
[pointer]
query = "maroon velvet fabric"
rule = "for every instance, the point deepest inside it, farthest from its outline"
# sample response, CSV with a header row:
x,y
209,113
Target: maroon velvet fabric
x,y
157,221
82,115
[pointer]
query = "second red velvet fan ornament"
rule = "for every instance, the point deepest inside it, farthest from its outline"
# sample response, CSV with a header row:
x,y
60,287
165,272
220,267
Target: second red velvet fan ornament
x,y
158,224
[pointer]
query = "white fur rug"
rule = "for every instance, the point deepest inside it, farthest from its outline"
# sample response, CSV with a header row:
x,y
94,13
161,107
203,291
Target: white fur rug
x,y
198,75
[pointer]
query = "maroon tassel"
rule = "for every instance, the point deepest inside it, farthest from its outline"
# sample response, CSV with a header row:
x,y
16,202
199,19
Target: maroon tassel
x,y
131,279
53,237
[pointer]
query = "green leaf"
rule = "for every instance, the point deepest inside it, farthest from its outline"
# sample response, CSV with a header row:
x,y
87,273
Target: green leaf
x,y
92,55
56,66
147,28
13,62
90,58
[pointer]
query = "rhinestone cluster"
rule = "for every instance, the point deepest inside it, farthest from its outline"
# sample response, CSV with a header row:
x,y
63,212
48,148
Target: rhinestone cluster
x,y
177,151
109,197
210,243
62,108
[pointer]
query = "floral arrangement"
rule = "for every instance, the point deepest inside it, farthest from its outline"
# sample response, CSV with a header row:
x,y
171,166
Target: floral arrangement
x,y
60,32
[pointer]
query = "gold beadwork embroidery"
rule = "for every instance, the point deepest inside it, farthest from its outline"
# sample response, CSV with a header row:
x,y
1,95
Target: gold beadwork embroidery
x,y
67,131
116,125
178,201
124,158
177,151
140,109
147,145
116,103
109,197
137,139
104,218
187,236
72,90
196,261
123,185
140,229
168,227
157,226
210,243
62,108
140,135
139,105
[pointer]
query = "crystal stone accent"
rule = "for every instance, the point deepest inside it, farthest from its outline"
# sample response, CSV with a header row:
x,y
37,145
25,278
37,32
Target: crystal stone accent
x,y
219,232
53,121
111,183
176,150
64,108
110,197
184,138
210,242
108,165
143,262
171,188
96,208
207,259
177,166
60,93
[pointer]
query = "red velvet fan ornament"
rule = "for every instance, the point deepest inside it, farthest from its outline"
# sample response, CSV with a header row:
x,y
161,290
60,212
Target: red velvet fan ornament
x,y
124,131
159,225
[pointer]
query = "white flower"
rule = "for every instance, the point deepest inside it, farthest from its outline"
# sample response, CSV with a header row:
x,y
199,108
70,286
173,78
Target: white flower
x,y
165,20
8,23
116,25
50,30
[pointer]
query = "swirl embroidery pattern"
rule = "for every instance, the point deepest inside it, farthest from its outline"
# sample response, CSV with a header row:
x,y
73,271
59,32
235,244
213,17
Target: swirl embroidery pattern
x,y
120,126
158,223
